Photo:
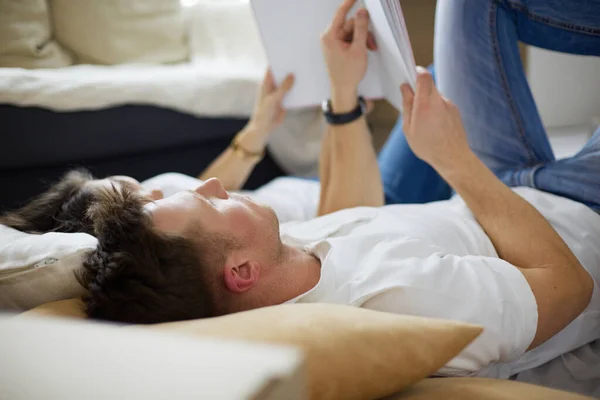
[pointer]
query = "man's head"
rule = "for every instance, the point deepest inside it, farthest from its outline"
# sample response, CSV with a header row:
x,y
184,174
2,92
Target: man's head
x,y
239,234
196,254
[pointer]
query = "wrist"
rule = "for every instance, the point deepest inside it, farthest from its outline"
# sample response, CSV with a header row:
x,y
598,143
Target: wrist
x,y
456,169
252,138
343,101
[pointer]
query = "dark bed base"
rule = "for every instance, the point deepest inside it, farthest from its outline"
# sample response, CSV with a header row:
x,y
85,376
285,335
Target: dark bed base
x,y
37,146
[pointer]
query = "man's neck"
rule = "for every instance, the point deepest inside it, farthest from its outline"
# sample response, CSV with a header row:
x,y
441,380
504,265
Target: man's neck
x,y
301,272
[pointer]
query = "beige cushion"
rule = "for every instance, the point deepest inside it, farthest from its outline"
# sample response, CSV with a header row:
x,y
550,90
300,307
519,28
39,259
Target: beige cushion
x,y
26,38
351,353
121,31
73,308
481,389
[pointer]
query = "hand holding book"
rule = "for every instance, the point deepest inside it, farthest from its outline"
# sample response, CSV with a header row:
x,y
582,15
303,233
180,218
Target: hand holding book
x,y
291,30
346,56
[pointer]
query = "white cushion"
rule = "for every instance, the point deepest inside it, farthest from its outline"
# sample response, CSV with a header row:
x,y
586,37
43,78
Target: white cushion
x,y
226,31
37,269
26,38
121,31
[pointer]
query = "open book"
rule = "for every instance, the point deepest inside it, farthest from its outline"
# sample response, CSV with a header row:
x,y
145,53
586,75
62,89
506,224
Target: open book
x,y
291,31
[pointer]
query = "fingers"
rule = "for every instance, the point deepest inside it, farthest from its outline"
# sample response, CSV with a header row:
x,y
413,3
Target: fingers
x,y
347,35
281,117
361,29
285,87
425,84
341,15
408,99
371,43
268,85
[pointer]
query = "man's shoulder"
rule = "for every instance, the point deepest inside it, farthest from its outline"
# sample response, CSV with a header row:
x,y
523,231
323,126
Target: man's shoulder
x,y
322,227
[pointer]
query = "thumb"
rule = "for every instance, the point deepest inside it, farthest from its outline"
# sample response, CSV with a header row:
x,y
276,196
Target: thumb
x,y
408,99
425,84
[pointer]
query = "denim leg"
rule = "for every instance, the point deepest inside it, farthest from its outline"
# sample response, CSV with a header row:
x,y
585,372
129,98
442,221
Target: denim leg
x,y
407,179
479,68
577,177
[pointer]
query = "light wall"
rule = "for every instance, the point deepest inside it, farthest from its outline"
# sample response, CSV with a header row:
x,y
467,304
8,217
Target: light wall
x,y
565,87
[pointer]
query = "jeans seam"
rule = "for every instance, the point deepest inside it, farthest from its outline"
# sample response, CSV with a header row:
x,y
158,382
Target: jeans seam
x,y
552,22
504,79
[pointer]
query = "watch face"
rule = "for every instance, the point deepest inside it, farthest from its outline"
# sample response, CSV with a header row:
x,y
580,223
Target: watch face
x,y
326,106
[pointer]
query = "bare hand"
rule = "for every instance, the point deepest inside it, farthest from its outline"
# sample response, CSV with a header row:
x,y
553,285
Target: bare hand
x,y
345,48
268,113
433,125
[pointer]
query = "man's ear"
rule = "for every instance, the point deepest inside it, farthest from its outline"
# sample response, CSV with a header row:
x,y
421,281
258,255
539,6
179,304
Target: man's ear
x,y
241,276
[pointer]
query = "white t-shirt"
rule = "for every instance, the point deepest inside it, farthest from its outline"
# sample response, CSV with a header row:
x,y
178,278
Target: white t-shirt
x,y
435,260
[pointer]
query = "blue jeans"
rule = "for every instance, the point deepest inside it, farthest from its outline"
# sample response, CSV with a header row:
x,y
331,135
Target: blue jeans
x,y
478,67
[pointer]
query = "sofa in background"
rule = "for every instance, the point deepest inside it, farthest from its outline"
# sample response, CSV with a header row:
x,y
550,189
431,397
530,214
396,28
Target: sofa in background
x,y
121,87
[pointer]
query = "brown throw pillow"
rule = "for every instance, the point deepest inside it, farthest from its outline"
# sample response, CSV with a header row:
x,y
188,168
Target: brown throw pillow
x,y
481,389
351,353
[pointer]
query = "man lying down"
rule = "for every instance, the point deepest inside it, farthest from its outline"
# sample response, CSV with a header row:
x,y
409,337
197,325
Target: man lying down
x,y
491,256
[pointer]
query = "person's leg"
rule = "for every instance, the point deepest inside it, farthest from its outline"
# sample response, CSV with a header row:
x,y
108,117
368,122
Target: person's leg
x,y
479,68
406,179
577,177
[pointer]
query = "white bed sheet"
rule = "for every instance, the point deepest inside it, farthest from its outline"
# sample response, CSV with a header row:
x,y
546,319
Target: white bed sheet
x,y
577,371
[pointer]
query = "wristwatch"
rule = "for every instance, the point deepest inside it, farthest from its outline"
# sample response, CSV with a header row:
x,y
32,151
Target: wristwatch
x,y
342,119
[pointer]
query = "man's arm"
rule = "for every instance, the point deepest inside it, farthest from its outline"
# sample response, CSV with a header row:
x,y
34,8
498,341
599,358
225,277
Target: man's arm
x,y
349,172
520,234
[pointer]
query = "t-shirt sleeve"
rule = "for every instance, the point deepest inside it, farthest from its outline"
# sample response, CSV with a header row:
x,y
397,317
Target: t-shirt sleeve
x,y
485,291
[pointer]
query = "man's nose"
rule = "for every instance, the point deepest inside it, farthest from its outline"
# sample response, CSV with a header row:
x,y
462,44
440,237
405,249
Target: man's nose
x,y
212,188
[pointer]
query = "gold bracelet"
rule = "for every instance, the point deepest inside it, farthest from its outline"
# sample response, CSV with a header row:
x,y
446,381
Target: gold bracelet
x,y
254,157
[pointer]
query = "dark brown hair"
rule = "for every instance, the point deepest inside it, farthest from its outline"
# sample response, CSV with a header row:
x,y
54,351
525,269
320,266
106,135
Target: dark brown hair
x,y
138,275
60,209
135,274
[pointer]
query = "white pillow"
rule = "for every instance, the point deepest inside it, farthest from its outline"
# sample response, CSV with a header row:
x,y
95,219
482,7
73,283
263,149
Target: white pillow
x,y
26,38
37,269
121,31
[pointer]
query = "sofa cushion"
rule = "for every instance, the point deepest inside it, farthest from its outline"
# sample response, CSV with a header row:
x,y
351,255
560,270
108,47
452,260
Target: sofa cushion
x,y
351,353
121,31
26,37
481,389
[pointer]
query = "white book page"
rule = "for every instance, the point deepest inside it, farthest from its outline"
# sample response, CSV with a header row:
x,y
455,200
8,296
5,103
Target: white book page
x,y
291,31
393,72
398,25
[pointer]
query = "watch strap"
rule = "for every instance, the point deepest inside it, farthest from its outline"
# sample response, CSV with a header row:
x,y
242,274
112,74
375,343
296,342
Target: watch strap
x,y
344,118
